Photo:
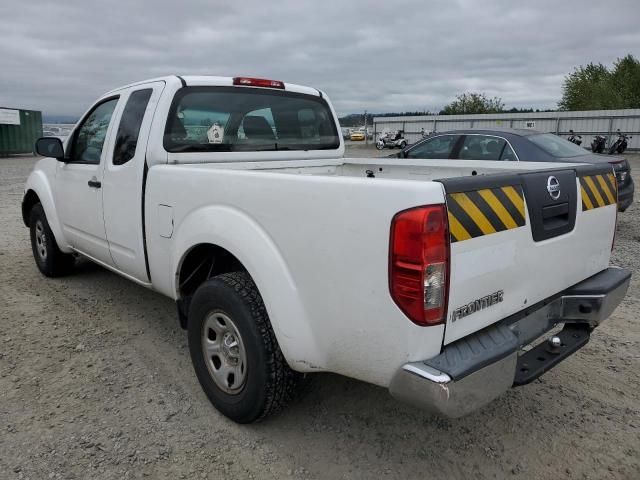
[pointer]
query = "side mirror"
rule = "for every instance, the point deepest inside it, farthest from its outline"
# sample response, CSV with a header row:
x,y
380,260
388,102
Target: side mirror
x,y
50,147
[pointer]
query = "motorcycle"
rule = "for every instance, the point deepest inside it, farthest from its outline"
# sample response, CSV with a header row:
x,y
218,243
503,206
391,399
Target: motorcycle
x,y
620,145
573,138
388,140
598,144
424,134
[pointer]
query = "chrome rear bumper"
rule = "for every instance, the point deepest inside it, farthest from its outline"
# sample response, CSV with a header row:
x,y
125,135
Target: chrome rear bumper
x,y
473,371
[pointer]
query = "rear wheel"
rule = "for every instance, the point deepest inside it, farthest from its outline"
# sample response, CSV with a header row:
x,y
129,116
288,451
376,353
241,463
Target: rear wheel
x,y
234,351
51,261
403,144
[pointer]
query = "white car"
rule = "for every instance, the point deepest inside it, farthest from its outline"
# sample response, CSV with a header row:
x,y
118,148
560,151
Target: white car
x,y
232,196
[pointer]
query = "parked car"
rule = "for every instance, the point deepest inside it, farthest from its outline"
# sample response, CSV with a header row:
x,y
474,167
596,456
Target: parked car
x,y
357,135
370,135
518,145
284,258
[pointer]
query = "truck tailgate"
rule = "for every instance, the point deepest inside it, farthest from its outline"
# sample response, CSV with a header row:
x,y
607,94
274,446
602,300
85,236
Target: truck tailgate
x,y
520,238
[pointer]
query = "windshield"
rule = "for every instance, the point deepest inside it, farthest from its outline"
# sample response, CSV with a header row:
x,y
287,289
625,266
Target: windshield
x,y
210,119
556,146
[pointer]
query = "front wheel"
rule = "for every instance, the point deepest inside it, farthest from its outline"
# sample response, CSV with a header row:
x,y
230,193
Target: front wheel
x,y
234,351
403,145
379,145
51,261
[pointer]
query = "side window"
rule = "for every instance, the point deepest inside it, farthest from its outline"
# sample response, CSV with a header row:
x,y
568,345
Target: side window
x,y
480,147
197,125
436,147
508,154
129,129
257,126
89,138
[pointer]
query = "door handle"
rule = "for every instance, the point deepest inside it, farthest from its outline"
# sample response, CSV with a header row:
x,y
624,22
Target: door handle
x,y
94,183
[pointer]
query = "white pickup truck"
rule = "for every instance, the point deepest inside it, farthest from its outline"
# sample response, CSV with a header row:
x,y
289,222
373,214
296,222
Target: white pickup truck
x,y
436,279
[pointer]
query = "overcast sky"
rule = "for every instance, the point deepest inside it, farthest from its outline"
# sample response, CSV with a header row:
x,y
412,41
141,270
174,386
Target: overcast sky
x,y
58,56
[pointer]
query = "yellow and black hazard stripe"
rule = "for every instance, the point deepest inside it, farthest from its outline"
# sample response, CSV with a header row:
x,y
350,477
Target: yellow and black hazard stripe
x,y
598,190
483,212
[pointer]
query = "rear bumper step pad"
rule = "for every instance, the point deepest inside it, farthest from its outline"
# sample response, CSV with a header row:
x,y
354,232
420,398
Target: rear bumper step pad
x,y
474,370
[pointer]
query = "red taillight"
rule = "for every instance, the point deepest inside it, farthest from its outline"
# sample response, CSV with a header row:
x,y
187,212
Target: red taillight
x,y
258,82
419,263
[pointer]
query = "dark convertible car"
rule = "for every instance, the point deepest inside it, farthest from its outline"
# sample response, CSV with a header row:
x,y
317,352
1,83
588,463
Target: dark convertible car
x,y
517,145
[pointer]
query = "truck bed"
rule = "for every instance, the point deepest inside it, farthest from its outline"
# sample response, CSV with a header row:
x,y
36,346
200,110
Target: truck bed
x,y
388,168
305,222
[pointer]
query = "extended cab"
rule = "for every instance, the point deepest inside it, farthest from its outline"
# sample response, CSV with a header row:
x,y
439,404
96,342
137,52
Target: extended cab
x,y
435,279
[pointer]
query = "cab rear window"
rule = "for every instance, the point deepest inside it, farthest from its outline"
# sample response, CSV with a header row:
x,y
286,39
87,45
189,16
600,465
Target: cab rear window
x,y
210,119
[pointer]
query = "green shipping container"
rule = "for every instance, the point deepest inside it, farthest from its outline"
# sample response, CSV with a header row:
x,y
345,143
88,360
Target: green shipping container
x,y
19,130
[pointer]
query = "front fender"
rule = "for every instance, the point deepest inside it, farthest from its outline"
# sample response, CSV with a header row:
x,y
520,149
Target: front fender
x,y
39,182
237,233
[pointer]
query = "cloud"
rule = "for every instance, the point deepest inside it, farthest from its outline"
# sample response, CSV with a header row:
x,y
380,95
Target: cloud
x,y
393,56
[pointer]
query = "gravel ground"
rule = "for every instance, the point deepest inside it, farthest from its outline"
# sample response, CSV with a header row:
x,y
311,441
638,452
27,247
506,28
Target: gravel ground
x,y
96,382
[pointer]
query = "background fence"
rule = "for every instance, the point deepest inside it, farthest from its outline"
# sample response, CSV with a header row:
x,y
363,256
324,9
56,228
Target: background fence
x,y
587,124
19,130
60,130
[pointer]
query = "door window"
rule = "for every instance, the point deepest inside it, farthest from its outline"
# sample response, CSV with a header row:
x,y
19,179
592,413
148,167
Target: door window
x,y
90,136
482,147
129,129
436,147
508,154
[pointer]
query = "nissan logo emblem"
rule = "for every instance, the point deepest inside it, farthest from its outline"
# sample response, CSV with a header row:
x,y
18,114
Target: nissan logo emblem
x,y
553,187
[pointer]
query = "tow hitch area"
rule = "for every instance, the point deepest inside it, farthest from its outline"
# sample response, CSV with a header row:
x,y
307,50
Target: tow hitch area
x,y
546,355
476,369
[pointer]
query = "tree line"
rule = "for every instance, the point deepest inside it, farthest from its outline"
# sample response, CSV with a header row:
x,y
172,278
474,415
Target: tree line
x,y
590,87
596,87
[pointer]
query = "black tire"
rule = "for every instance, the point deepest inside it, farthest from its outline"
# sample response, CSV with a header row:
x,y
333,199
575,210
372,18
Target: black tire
x,y
403,145
51,261
268,384
379,145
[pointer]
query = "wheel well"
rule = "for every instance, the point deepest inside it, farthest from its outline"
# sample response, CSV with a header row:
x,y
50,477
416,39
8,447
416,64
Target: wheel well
x,y
30,199
199,264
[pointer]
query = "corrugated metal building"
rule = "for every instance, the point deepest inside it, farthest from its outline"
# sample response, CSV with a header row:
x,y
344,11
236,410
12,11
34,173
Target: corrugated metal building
x,y
19,130
587,123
